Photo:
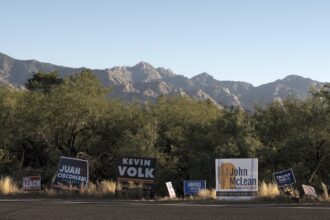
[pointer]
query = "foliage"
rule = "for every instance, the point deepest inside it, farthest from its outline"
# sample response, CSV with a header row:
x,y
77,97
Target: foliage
x,y
43,82
74,117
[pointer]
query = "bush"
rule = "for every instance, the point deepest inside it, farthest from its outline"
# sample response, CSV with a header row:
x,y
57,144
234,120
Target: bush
x,y
7,186
269,190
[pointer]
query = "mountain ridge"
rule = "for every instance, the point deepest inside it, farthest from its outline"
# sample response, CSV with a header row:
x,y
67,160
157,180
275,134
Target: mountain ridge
x,y
146,82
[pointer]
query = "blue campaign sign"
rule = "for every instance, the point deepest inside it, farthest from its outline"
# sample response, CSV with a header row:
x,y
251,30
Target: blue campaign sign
x,y
71,172
284,178
192,187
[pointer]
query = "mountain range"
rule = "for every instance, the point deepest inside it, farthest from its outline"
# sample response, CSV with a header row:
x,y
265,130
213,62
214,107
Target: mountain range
x,y
145,82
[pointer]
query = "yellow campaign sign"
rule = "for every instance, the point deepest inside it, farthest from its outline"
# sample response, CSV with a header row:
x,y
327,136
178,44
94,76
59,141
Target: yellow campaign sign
x,y
225,177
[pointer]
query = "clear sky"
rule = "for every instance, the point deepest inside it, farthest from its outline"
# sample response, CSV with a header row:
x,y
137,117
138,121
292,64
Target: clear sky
x,y
256,41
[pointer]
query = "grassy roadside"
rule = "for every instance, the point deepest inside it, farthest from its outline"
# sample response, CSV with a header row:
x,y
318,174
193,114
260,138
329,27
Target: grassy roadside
x,y
268,193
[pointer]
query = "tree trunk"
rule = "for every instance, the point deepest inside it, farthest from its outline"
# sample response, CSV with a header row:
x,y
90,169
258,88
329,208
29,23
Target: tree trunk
x,y
317,167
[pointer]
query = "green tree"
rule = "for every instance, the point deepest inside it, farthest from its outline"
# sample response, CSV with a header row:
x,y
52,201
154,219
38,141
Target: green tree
x,y
60,121
43,82
294,134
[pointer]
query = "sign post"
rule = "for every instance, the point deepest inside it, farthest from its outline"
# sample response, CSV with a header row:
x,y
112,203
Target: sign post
x,y
236,179
170,190
71,172
309,190
284,179
136,169
139,170
31,183
192,187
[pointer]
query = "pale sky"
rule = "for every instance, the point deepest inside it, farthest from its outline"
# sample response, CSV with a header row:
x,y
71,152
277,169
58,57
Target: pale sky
x,y
256,41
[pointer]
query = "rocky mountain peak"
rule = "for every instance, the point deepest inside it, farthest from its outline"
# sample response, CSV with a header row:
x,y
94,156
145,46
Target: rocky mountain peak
x,y
203,76
204,79
145,82
144,72
143,65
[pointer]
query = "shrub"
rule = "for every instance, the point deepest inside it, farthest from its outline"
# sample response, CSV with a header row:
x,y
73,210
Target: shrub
x,y
7,186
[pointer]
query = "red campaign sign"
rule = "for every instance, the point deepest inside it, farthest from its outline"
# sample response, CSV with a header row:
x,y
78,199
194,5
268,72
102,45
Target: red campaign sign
x,y
31,183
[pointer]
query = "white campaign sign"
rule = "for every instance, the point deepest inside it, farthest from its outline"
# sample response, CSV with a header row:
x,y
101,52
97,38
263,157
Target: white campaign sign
x,y
236,179
170,190
309,190
31,183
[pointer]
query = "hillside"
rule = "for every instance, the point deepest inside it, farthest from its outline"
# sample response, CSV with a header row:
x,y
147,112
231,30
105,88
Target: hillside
x,y
145,82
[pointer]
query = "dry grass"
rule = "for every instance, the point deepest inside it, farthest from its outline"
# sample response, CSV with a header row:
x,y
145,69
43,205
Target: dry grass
x,y
130,191
206,194
50,192
109,187
106,188
325,192
90,190
7,186
269,190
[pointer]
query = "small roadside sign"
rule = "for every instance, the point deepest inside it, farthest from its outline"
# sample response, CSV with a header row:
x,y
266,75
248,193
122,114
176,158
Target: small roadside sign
x,y
192,187
170,190
284,178
31,183
309,190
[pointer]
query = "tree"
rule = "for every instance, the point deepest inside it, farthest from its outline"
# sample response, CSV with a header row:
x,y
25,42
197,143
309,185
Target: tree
x,y
235,135
294,134
60,122
43,82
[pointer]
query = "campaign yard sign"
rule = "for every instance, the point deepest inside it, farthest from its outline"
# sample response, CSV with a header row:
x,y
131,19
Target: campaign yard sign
x,y
309,190
284,178
71,172
170,190
236,179
192,187
136,169
31,183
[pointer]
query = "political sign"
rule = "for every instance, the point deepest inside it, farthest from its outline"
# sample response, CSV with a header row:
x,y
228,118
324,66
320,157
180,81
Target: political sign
x,y
192,187
236,179
170,190
71,172
136,169
284,178
309,190
31,183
